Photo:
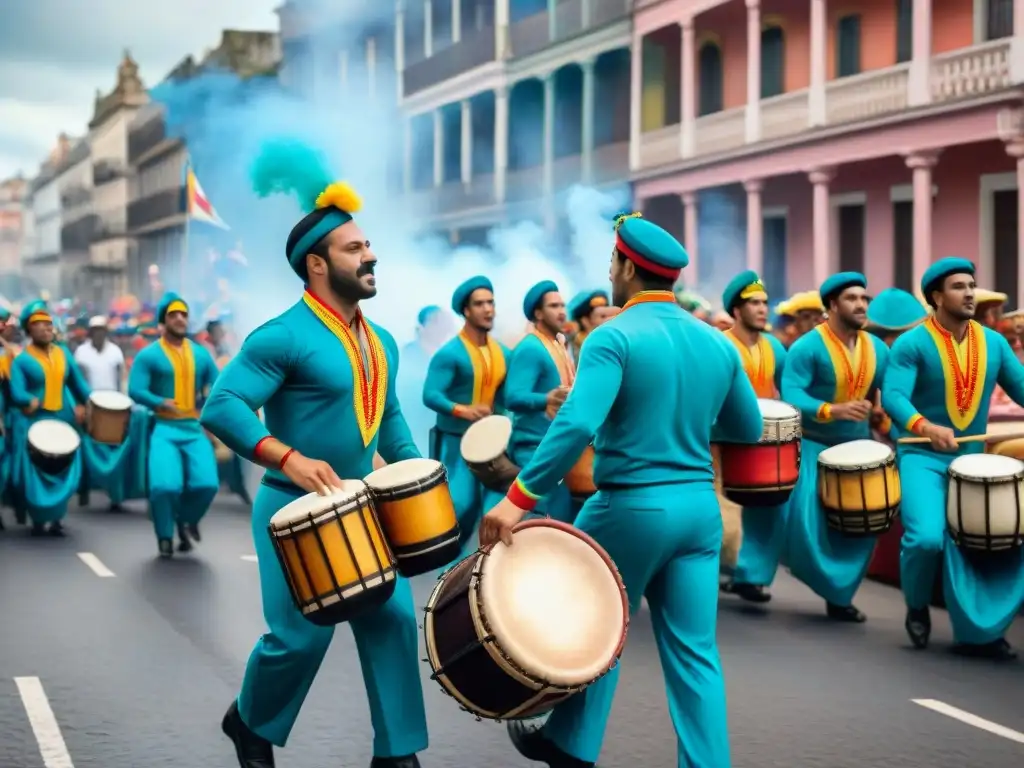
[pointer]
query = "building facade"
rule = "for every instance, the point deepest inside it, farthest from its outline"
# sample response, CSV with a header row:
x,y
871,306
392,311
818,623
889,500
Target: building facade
x,y
12,227
78,225
41,264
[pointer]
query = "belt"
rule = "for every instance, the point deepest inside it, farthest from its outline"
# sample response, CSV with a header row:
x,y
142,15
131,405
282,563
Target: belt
x,y
637,486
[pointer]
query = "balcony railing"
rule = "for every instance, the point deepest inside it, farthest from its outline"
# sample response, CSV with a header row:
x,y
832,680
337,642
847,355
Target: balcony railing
x,y
104,171
75,195
145,136
571,18
473,51
110,227
156,207
78,235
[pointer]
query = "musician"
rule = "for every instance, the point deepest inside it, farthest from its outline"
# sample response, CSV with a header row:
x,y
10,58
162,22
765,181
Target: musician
x,y
988,307
46,383
466,382
939,386
170,377
540,374
831,374
656,512
808,311
587,311
784,327
309,369
892,313
433,328
101,362
764,359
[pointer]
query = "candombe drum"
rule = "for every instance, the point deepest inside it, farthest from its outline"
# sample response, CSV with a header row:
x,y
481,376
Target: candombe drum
x,y
52,445
484,448
580,478
512,631
334,555
984,502
859,487
108,416
763,474
416,512
1013,447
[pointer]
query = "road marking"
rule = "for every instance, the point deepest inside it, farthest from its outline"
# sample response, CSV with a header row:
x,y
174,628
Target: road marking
x,y
95,565
966,717
249,558
44,725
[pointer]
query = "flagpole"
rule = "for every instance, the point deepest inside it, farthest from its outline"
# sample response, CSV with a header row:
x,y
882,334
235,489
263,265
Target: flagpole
x,y
188,225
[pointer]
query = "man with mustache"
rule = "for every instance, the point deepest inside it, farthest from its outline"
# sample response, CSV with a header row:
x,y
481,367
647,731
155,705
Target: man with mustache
x,y
831,375
939,385
325,378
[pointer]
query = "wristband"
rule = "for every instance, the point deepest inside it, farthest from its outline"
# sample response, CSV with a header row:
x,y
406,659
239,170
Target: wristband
x,y
259,448
284,459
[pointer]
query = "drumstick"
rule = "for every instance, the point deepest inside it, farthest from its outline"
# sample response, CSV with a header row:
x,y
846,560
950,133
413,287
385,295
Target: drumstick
x,y
990,437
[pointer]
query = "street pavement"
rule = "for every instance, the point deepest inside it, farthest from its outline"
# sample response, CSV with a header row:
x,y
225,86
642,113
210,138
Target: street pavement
x,y
137,659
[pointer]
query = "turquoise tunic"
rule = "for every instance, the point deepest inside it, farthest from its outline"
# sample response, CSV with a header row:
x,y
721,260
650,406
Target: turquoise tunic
x,y
44,497
650,411
983,596
299,373
532,373
830,563
455,378
183,478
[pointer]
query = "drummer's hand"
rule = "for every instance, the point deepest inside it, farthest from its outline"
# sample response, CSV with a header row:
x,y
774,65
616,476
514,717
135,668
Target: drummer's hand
x,y
32,407
169,406
80,414
556,397
311,475
473,412
497,524
943,438
857,410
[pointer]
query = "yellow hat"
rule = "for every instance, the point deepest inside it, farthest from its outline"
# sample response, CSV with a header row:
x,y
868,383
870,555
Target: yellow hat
x,y
985,296
806,301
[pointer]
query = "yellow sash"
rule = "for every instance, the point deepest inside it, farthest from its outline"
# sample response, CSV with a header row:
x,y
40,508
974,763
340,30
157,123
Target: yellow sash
x,y
183,363
854,372
560,357
55,366
758,363
964,366
488,369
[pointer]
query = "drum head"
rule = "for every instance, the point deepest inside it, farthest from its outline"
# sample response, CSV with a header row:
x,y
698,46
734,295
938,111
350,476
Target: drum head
x,y
856,453
54,437
314,503
111,400
776,409
985,466
402,473
486,440
554,605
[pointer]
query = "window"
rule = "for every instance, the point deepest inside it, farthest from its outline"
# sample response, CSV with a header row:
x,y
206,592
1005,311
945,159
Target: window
x,y
998,19
848,46
711,83
773,62
904,30
903,245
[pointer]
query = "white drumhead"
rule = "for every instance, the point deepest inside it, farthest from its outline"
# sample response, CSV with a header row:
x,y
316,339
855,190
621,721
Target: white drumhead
x,y
776,409
401,472
553,605
111,400
487,439
54,437
986,465
856,453
314,503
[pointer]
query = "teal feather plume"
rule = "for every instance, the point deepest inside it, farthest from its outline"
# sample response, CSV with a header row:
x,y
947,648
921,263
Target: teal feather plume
x,y
289,166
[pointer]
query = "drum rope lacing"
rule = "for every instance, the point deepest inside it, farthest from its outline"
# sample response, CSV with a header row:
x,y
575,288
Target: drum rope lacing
x,y
991,542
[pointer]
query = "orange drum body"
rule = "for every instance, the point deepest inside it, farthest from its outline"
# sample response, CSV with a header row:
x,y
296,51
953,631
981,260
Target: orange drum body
x,y
1012,448
580,479
764,474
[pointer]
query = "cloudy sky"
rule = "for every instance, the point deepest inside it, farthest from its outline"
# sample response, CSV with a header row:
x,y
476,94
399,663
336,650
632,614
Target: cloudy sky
x,y
54,54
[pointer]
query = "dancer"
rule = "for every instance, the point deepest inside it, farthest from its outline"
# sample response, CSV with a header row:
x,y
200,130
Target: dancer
x,y
170,377
831,375
311,370
764,359
655,512
939,385
540,374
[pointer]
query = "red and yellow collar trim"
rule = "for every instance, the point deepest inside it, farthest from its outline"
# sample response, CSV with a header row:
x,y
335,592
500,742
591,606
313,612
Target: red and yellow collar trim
x,y
650,297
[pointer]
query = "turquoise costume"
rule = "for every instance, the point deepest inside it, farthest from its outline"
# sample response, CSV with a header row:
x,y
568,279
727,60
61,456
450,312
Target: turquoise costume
x,y
817,375
894,311
982,596
307,369
655,512
537,365
764,528
183,478
462,374
119,471
415,362
55,381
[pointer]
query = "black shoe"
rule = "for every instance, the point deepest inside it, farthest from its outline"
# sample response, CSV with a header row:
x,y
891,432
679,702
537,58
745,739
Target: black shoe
x,y
251,750
56,530
409,761
116,508
919,626
531,743
847,613
166,547
185,544
38,529
752,593
998,650
193,532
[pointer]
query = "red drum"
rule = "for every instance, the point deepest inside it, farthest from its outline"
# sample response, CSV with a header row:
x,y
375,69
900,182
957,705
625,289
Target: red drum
x,y
764,474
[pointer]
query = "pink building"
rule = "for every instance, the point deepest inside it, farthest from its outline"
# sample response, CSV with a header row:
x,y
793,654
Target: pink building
x,y
876,136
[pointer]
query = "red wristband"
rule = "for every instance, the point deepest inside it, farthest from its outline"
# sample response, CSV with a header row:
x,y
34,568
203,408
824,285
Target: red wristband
x,y
259,447
284,459
518,497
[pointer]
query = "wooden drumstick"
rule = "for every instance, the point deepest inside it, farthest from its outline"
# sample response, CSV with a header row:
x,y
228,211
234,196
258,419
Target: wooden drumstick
x,y
986,438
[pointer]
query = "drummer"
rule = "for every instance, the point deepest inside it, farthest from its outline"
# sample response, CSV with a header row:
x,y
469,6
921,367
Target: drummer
x,y
938,386
46,383
170,377
540,373
297,368
466,382
587,311
764,359
784,326
831,375
655,512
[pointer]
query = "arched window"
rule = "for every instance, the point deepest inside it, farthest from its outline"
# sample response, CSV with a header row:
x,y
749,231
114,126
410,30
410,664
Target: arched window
x,y
773,62
711,78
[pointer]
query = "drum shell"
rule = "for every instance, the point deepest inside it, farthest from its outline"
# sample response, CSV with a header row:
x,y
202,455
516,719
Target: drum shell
x,y
760,475
990,527
861,500
1012,448
580,478
50,463
496,474
107,426
336,566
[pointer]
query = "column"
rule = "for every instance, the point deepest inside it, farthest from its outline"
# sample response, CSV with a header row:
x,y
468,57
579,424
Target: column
x,y
636,80
688,98
399,46
407,155
921,54
753,110
819,37
1018,19
691,236
438,148
755,225
822,217
500,143
428,28
466,157
587,118
1015,149
456,21
549,134
371,67
921,164
501,22
552,20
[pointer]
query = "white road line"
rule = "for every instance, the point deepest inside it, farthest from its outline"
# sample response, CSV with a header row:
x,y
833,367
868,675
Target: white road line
x,y
249,558
966,717
95,565
44,725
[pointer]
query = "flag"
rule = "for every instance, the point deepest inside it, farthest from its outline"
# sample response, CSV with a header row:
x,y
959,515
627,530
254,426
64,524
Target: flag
x,y
197,205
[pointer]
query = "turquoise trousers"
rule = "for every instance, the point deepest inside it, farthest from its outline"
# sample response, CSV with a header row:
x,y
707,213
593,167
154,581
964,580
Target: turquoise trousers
x,y
183,477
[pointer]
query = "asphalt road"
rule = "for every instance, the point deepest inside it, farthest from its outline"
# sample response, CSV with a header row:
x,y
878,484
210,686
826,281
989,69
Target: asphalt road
x,y
138,667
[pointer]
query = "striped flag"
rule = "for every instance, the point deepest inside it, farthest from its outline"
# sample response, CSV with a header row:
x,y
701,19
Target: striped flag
x,y
197,205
